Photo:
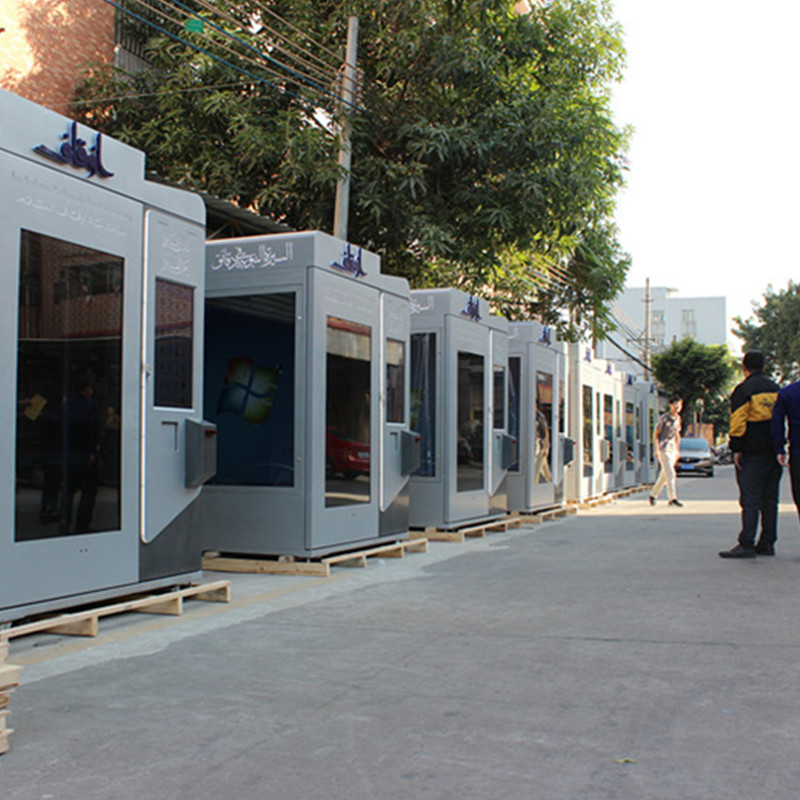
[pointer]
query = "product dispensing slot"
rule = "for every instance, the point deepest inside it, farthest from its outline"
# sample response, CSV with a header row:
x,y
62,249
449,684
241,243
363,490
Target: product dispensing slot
x,y
411,452
567,450
509,452
201,452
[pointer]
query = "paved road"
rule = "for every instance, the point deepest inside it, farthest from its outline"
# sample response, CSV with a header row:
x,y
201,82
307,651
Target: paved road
x,y
608,655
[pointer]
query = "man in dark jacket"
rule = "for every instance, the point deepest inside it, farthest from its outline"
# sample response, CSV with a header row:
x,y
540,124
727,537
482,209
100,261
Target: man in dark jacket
x,y
787,409
758,473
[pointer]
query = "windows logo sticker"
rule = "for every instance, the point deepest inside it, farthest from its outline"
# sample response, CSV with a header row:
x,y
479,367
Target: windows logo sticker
x,y
248,391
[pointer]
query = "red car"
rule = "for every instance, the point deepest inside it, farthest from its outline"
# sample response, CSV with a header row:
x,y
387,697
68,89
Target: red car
x,y
345,455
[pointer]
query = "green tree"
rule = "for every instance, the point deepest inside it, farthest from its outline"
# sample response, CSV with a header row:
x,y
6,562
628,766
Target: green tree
x,y
696,371
775,331
484,152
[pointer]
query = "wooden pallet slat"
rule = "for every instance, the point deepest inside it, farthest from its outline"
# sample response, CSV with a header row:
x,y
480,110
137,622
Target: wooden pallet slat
x,y
310,567
85,623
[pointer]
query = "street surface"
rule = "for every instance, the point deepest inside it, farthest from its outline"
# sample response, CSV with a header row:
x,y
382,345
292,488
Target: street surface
x,y
607,655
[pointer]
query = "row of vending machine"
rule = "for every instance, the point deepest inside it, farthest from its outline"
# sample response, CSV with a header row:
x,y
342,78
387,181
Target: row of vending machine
x,y
274,395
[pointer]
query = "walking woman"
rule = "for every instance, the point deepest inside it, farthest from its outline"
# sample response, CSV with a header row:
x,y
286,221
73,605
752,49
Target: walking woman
x,y
667,443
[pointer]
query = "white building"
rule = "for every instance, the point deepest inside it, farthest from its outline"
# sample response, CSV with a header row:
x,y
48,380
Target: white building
x,y
672,318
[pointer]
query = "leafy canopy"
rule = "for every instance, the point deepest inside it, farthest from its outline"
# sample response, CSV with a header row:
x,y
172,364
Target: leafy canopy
x,y
774,329
484,153
695,371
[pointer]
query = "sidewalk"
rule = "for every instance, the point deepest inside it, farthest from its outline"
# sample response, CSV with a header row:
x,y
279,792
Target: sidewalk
x,y
607,655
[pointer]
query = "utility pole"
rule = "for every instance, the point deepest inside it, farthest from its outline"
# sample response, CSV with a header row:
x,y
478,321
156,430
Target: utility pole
x,y
348,96
647,302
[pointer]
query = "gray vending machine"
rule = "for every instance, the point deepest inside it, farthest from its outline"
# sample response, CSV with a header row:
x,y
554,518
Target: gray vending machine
x,y
536,367
103,447
459,390
306,362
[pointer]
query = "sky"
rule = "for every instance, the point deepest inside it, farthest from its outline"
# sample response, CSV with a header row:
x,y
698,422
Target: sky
x,y
711,203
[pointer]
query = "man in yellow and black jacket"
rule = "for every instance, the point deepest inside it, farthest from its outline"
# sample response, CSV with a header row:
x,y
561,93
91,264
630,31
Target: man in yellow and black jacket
x,y
757,471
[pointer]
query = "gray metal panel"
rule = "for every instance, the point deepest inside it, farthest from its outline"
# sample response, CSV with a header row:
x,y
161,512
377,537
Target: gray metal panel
x,y
55,204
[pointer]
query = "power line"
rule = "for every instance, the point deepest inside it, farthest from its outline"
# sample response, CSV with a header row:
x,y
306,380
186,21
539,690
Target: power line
x,y
270,59
237,67
137,95
630,355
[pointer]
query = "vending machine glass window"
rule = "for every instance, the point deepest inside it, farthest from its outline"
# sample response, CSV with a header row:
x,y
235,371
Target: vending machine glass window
x,y
172,369
588,431
250,387
608,428
348,414
395,380
629,440
69,382
423,399
470,411
544,427
514,373
499,422
651,432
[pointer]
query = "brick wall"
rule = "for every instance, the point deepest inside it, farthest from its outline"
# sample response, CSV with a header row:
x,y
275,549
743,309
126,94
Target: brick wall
x,y
46,43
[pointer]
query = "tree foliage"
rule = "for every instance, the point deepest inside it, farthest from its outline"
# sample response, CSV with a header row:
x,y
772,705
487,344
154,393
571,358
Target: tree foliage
x,y
775,331
696,371
484,153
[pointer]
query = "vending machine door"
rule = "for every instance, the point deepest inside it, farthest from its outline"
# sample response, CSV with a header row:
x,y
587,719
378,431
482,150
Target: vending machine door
x,y
344,431
395,393
172,368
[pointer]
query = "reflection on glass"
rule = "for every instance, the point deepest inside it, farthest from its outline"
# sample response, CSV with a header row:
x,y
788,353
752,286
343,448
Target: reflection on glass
x,y
588,431
514,370
249,388
395,380
598,418
423,399
69,385
544,426
470,417
172,369
608,430
348,415
629,436
562,417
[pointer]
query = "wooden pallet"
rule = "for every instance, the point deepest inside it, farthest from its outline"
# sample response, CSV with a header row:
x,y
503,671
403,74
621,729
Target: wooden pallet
x,y
86,622
469,532
289,565
9,680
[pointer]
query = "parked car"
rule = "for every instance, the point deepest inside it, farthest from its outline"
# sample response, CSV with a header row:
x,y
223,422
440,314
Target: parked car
x,y
345,455
696,458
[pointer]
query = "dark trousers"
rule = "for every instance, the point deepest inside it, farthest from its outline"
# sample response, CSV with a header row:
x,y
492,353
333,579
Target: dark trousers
x,y
759,479
794,473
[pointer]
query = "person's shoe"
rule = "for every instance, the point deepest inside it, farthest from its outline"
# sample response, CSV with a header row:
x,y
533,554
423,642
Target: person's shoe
x,y
676,503
652,500
738,552
765,550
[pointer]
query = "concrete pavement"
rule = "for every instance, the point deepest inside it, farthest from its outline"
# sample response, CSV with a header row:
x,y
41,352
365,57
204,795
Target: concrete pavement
x,y
607,655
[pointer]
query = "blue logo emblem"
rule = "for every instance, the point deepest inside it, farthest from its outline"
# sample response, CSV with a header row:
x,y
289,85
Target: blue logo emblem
x,y
546,336
472,309
351,264
74,153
